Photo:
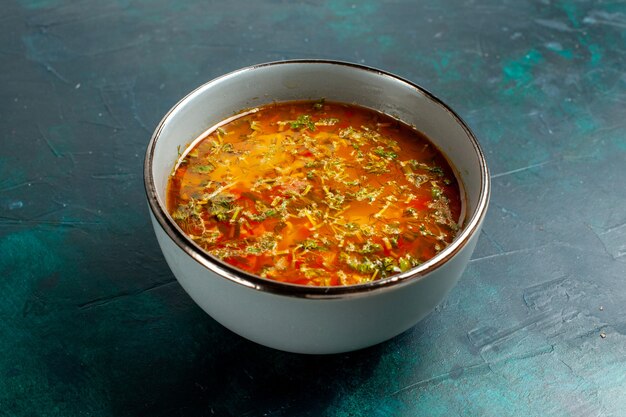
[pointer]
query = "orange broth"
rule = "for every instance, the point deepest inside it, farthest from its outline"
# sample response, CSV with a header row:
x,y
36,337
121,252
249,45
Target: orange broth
x,y
316,193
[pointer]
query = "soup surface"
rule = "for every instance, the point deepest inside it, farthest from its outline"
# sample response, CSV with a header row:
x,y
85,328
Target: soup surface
x,y
316,193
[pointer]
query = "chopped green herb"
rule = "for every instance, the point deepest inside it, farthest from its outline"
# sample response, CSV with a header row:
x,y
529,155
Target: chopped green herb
x,y
407,262
376,166
425,232
319,105
312,244
389,265
380,151
392,228
367,193
185,211
304,120
203,169
220,206
417,179
334,200
263,215
436,170
410,212
365,266
370,247
265,243
327,122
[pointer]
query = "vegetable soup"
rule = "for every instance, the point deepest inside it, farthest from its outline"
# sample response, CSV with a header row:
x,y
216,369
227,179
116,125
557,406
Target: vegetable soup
x,y
316,193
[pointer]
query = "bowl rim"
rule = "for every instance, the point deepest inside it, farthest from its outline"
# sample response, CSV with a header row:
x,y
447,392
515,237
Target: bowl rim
x,y
256,282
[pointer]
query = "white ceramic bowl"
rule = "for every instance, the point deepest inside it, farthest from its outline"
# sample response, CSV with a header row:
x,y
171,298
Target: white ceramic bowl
x,y
298,318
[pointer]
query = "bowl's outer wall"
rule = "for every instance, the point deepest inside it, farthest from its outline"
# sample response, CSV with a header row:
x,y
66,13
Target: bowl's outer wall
x,y
314,326
300,324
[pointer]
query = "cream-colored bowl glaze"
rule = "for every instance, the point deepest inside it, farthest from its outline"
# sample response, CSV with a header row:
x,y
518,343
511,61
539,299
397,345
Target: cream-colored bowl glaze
x,y
313,319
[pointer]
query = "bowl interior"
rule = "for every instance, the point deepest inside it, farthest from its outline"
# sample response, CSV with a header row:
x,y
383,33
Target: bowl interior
x,y
301,80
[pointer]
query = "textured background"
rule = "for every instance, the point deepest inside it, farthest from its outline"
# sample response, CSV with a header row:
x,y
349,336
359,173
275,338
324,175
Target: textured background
x,y
93,323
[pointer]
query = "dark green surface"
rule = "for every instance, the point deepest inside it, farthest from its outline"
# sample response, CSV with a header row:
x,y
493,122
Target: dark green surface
x,y
92,321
